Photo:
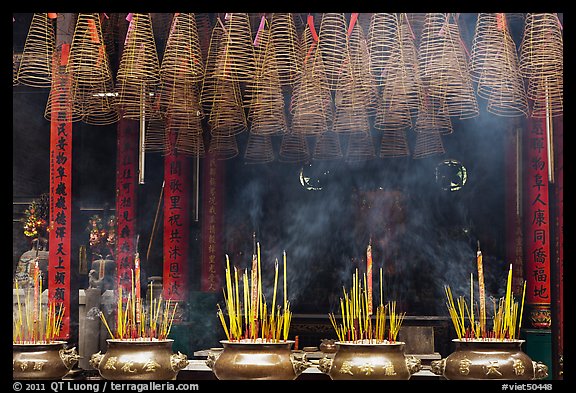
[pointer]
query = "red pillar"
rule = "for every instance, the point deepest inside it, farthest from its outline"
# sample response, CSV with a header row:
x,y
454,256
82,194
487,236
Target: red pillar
x,y
558,262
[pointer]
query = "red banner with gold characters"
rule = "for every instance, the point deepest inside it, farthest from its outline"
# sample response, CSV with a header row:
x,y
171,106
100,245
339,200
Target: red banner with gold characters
x,y
60,188
176,226
537,221
126,201
212,200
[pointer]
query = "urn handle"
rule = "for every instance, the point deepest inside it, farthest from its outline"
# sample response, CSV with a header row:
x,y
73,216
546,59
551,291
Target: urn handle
x,y
69,357
178,361
325,364
299,363
95,359
540,370
438,366
413,363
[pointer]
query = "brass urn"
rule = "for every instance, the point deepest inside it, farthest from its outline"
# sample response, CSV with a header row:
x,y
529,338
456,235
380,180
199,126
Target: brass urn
x,y
256,360
142,359
489,359
365,360
47,361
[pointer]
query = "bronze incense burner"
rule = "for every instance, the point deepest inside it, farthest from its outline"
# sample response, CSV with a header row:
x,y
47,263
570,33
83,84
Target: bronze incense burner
x,y
47,361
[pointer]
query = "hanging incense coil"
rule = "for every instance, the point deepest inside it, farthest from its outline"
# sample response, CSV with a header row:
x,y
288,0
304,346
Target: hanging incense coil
x,y
364,81
223,147
61,104
227,117
35,66
494,65
156,138
209,83
394,143
333,47
92,78
138,74
432,118
444,67
182,60
288,52
360,147
410,71
383,43
259,149
235,60
428,144
182,107
294,148
327,146
542,63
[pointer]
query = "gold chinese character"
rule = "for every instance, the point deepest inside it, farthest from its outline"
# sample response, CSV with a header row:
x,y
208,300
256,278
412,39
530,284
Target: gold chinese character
x,y
464,366
518,367
111,363
150,366
492,368
389,369
367,368
346,368
126,367
39,365
23,365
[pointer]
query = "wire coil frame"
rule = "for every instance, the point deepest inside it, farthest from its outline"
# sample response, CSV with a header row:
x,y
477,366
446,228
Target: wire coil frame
x,y
35,68
91,74
333,47
494,65
542,63
138,74
383,43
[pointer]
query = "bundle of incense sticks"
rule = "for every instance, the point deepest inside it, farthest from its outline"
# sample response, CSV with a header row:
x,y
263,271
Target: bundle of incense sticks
x,y
249,318
357,325
135,321
34,322
507,317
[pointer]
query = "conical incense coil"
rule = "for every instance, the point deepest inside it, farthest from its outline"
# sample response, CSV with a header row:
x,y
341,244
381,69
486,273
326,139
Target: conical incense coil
x,y
431,118
294,148
259,149
541,49
333,46
224,147
177,97
550,93
360,147
61,100
235,60
36,64
410,76
139,71
99,104
288,52
444,67
428,144
182,58
394,143
190,142
494,65
156,138
383,42
364,81
210,80
327,146
227,116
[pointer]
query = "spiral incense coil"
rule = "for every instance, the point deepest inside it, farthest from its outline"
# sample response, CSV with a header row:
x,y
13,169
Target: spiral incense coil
x,y
62,86
542,63
444,67
209,83
431,118
190,142
156,139
327,146
294,148
223,147
364,81
235,60
284,37
494,65
428,144
259,149
410,73
333,47
360,147
351,114
184,111
394,143
182,58
138,74
227,117
36,64
91,74
383,43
